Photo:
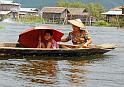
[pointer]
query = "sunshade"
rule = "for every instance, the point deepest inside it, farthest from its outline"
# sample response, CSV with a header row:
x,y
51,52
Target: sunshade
x,y
30,37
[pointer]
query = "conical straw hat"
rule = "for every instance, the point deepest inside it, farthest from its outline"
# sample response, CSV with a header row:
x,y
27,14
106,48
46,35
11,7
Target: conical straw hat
x,y
77,22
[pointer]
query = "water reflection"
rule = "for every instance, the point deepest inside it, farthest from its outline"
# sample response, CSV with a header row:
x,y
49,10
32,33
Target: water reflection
x,y
77,71
43,71
53,71
49,71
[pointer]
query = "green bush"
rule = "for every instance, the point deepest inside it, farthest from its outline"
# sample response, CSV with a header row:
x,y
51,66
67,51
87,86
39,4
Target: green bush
x,y
29,19
1,27
122,24
101,23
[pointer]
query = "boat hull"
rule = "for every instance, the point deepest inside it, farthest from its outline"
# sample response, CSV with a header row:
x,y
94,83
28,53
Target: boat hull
x,y
15,49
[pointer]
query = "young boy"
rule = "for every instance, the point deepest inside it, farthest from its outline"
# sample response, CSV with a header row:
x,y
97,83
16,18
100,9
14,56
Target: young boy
x,y
48,42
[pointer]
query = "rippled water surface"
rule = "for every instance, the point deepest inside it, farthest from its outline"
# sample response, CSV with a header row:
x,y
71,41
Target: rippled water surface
x,y
94,71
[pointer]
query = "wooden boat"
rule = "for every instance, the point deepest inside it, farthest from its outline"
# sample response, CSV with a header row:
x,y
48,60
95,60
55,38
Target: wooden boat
x,y
16,49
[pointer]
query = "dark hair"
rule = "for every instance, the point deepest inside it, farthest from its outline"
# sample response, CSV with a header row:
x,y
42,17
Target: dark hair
x,y
49,31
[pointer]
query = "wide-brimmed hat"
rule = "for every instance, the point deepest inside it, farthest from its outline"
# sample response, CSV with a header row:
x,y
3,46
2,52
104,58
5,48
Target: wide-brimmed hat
x,y
77,22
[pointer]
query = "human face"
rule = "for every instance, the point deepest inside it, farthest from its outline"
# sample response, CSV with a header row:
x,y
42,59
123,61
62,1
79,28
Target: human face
x,y
47,36
75,28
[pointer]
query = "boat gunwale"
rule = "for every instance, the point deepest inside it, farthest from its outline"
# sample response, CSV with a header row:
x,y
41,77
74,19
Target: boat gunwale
x,y
21,48
14,46
16,49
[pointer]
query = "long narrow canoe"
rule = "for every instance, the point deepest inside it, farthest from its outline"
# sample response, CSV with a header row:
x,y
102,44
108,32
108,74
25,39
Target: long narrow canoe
x,y
15,49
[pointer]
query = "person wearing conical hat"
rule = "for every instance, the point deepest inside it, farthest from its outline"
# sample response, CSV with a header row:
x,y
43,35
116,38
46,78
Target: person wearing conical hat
x,y
79,34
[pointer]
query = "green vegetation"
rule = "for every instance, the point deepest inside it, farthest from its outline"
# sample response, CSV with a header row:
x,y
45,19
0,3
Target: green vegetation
x,y
29,19
41,3
2,17
117,21
95,9
114,23
62,3
102,23
121,23
1,27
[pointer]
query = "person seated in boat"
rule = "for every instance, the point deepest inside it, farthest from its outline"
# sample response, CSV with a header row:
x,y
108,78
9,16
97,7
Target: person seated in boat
x,y
48,41
79,35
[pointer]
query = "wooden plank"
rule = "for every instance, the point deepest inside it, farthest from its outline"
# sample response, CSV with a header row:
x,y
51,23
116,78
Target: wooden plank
x,y
13,50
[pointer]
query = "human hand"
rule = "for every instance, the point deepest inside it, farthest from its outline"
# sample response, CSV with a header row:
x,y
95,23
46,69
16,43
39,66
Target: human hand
x,y
49,45
85,45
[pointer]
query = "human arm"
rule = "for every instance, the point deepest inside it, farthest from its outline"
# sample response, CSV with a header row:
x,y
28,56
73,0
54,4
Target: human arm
x,y
42,45
39,42
88,38
89,41
66,39
39,45
49,45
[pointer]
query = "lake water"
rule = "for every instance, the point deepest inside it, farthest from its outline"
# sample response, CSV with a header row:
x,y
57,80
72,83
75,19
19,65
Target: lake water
x,y
95,71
